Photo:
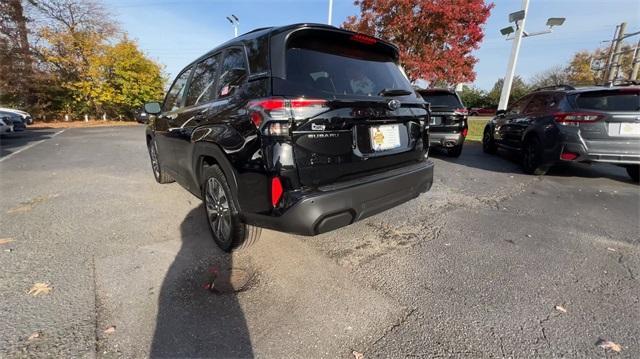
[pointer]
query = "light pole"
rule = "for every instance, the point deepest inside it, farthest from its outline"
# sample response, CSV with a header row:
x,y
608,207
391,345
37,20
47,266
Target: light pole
x,y
235,23
518,18
330,12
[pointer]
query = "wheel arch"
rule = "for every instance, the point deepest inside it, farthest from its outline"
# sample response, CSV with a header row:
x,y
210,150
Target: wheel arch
x,y
208,154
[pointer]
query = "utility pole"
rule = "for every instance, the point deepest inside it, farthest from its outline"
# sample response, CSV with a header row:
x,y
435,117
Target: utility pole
x,y
519,18
607,64
330,12
635,63
235,23
511,67
615,65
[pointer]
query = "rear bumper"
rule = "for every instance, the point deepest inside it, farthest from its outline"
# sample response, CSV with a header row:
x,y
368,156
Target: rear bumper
x,y
445,139
619,151
341,204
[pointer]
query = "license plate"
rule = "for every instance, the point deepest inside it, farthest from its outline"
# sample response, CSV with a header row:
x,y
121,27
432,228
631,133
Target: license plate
x,y
435,120
385,137
630,129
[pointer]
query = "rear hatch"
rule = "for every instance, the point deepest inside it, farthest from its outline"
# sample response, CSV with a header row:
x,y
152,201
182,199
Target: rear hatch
x,y
447,111
354,111
608,114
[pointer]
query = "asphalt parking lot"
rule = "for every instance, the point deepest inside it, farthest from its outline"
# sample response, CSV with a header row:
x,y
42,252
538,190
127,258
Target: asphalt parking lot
x,y
481,266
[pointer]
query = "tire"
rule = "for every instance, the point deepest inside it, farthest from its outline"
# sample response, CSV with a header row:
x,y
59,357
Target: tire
x,y
488,143
634,172
454,151
223,218
156,165
532,157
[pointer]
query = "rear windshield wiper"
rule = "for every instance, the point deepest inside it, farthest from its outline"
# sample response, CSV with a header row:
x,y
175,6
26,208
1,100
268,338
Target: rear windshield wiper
x,y
394,92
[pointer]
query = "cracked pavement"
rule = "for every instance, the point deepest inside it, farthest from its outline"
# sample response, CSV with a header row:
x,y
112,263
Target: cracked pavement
x,y
474,268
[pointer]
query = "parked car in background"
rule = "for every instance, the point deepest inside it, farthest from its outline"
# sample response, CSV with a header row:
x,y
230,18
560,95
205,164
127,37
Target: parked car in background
x,y
6,125
26,118
141,116
555,124
482,111
15,119
448,126
303,129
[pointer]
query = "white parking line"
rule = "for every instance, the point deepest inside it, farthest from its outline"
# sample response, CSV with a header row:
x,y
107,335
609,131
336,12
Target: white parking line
x,y
29,146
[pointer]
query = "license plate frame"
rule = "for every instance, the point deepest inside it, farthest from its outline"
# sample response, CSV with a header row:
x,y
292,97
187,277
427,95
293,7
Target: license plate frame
x,y
385,137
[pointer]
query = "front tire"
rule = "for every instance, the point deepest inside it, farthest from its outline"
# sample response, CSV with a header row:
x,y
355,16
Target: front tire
x,y
532,157
634,172
225,224
488,143
156,165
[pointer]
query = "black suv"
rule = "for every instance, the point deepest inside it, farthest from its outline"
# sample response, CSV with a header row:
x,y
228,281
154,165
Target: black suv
x,y
448,126
302,129
594,124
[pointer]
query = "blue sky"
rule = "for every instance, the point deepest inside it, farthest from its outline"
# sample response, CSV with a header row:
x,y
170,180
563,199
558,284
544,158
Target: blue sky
x,y
175,32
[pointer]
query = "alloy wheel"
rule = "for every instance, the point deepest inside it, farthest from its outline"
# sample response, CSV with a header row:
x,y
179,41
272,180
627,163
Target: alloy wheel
x,y
218,212
155,165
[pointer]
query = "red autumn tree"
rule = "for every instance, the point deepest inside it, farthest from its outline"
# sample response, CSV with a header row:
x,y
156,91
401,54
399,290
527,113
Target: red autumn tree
x,y
435,37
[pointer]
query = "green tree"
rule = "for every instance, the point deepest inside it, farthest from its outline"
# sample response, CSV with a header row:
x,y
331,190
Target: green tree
x,y
473,97
518,89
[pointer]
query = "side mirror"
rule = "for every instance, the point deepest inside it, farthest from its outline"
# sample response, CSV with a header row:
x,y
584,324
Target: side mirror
x,y
152,108
501,112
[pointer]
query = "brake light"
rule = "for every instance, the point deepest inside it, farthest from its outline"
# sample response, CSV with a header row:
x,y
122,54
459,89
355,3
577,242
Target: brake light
x,y
276,191
574,118
464,132
461,111
364,39
279,109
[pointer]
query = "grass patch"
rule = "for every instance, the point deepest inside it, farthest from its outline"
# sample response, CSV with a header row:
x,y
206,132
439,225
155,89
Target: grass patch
x,y
476,128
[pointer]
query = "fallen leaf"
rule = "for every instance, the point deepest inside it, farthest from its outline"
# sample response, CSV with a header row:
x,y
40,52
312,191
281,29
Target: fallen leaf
x,y
111,329
6,240
357,355
40,288
605,344
33,336
611,249
560,309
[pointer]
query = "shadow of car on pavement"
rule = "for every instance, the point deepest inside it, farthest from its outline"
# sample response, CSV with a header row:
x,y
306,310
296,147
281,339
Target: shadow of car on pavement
x,y
11,142
193,319
509,162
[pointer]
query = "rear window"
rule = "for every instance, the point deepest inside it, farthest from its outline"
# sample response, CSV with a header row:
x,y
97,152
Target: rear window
x,y
622,100
337,66
442,99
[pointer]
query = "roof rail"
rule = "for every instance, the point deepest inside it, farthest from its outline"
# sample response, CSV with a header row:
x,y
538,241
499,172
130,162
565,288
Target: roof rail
x,y
555,87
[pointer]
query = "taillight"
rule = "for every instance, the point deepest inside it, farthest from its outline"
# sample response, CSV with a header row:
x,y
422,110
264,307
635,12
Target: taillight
x,y
464,132
275,113
575,118
461,111
276,191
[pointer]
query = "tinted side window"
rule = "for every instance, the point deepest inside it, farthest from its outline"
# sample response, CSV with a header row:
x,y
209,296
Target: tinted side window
x,y
232,73
258,53
518,106
202,88
174,96
542,103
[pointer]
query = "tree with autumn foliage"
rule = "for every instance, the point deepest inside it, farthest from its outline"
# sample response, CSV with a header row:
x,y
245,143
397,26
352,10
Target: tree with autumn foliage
x,y
436,38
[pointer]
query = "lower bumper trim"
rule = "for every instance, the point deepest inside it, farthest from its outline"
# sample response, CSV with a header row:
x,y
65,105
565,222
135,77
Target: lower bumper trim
x,y
326,211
